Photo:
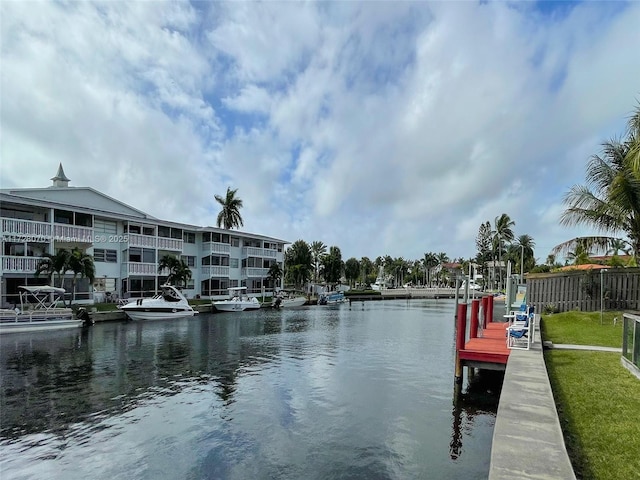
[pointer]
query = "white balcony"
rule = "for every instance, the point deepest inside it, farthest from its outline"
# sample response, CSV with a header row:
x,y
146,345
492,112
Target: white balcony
x,y
137,268
26,230
20,264
169,244
259,252
209,271
214,247
72,233
136,240
251,272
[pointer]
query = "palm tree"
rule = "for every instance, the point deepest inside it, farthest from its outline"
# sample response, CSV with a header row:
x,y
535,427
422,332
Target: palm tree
x,y
80,263
524,246
429,261
179,272
275,274
298,263
610,200
53,265
229,216
618,245
502,233
318,250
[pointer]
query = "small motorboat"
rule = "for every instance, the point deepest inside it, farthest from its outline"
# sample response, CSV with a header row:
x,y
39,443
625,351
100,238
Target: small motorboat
x,y
238,301
288,300
170,303
331,298
39,311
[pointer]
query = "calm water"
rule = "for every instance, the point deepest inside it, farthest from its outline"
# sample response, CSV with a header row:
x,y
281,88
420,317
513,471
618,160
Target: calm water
x,y
361,392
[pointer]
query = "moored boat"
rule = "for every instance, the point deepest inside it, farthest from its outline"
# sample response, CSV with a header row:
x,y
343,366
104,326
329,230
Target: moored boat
x,y
331,298
169,304
238,301
284,300
39,311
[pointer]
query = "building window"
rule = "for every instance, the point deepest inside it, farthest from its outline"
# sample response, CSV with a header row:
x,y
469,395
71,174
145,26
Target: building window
x,y
14,249
189,260
235,241
105,226
149,231
104,255
83,220
234,263
63,216
144,255
164,232
189,237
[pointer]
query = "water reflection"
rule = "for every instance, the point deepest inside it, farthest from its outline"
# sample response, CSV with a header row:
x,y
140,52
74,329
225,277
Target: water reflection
x,y
360,392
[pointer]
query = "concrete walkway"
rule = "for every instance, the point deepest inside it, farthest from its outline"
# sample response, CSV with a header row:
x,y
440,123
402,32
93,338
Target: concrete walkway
x,y
592,348
527,438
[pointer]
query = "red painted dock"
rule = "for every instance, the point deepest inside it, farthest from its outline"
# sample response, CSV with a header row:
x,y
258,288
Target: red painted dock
x,y
489,349
487,346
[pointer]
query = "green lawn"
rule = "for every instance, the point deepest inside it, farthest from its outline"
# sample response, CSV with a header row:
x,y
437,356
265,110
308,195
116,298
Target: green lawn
x,y
598,403
598,400
583,328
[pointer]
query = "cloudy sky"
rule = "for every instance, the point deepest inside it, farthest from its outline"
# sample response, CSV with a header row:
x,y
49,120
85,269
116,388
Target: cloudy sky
x,y
384,128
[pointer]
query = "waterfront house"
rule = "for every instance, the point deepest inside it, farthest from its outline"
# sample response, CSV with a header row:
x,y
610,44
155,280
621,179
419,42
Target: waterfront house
x,y
126,244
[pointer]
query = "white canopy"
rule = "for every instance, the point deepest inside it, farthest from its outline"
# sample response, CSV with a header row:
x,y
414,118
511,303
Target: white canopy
x,y
42,289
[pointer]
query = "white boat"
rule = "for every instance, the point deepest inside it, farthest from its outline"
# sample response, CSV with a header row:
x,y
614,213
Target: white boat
x,y
39,311
380,283
288,300
170,303
238,301
331,298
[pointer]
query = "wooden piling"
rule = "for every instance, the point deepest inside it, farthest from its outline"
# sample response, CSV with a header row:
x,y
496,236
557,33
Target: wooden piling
x,y
461,328
475,306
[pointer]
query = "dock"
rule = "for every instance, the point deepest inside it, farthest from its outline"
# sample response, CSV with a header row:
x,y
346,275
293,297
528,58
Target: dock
x,y
486,347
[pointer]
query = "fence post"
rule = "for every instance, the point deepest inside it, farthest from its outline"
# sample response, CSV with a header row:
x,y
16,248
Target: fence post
x,y
475,306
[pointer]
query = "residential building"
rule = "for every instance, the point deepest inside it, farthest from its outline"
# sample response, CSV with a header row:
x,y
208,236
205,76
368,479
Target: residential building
x,y
126,244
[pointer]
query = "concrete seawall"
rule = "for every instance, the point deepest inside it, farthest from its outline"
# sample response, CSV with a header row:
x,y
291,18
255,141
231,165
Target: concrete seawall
x,y
527,438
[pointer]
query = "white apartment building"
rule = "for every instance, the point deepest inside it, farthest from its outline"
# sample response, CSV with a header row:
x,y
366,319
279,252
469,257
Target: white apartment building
x,y
126,244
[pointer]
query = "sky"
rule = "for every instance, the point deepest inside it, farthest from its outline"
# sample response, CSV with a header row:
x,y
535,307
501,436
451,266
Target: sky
x,y
383,128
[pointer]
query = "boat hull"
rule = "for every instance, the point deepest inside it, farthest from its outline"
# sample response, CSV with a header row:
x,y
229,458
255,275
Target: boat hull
x,y
150,314
25,325
231,306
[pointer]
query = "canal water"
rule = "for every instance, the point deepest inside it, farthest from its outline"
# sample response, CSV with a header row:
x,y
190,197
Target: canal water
x,y
360,392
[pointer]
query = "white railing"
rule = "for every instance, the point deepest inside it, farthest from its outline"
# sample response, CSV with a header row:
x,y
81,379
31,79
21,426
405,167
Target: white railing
x,y
26,230
71,233
137,240
255,272
170,244
20,264
215,271
215,247
259,252
136,268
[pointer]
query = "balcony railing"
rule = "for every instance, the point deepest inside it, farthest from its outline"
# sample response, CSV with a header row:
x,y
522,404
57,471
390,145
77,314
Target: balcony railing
x,y
251,272
214,271
72,233
170,244
136,240
20,264
215,247
259,252
137,268
26,230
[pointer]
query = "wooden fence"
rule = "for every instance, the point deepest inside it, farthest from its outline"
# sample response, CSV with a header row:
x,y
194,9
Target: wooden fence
x,y
619,289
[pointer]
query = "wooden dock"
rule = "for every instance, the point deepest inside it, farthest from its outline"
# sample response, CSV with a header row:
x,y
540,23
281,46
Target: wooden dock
x,y
486,347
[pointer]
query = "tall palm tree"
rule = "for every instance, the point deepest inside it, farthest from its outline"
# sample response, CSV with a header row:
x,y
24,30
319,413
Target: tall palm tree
x,y
229,216
524,246
80,263
429,261
618,245
53,265
318,250
610,200
503,233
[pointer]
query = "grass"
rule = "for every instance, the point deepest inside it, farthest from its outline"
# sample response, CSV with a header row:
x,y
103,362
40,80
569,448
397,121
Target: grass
x,y
583,328
598,404
598,400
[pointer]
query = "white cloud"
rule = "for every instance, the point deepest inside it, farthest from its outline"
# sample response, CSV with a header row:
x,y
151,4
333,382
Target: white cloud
x,y
384,128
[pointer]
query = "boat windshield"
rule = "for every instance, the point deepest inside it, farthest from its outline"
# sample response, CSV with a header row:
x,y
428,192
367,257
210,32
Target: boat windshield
x,y
170,295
